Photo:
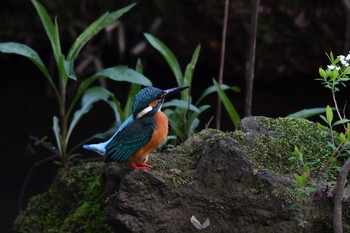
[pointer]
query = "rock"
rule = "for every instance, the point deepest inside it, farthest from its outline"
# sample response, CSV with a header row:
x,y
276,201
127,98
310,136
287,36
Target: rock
x,y
237,180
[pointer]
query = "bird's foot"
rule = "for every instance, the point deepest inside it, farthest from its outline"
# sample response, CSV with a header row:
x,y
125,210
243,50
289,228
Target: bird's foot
x,y
139,166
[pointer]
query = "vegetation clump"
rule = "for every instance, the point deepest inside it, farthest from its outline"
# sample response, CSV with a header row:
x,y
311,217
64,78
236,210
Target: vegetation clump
x,y
74,203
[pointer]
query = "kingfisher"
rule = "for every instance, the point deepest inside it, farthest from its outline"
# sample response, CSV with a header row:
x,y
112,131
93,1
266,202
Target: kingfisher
x,y
140,133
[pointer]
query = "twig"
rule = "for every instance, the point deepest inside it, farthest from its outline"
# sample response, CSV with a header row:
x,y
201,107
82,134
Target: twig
x,y
346,3
27,178
222,61
251,59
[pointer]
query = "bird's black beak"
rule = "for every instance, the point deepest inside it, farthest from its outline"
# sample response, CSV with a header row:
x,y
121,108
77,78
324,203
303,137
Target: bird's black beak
x,y
171,91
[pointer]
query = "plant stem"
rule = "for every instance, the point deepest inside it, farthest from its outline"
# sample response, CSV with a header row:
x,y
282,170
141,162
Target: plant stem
x,y
63,120
222,61
336,105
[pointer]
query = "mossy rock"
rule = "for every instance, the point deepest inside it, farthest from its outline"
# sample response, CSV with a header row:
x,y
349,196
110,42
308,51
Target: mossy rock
x,y
251,163
74,203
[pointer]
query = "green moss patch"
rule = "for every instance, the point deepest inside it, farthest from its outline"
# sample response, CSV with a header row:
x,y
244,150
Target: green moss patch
x,y
74,203
273,150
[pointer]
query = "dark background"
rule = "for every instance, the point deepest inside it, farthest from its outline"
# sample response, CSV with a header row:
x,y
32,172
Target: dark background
x,y
293,37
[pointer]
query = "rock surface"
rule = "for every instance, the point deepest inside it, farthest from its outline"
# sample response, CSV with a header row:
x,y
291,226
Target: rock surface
x,y
222,177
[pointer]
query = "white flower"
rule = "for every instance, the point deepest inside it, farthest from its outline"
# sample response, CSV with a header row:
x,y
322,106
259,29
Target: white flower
x,y
337,68
343,60
347,57
331,67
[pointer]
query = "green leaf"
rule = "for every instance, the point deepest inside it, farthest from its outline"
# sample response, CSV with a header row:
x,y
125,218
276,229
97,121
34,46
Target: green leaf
x,y
329,114
168,56
300,180
123,73
306,113
26,51
68,67
95,28
57,131
335,74
347,70
212,89
298,154
228,105
322,73
180,104
118,73
90,97
50,29
305,170
189,72
340,122
195,115
311,189
325,120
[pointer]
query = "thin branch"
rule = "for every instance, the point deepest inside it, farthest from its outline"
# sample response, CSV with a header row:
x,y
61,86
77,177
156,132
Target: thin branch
x,y
27,179
346,3
338,199
251,59
222,61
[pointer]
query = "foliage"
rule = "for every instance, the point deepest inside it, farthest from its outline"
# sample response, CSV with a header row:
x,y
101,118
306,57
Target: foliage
x,y
184,117
69,116
328,168
304,186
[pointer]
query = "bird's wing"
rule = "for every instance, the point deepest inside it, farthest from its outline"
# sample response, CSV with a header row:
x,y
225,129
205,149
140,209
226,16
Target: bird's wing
x,y
130,139
101,147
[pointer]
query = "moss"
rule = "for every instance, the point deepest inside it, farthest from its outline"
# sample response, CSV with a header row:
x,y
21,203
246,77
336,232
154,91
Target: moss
x,y
74,203
176,167
274,149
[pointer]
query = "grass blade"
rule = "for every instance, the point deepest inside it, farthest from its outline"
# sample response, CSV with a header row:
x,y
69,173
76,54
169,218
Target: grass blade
x,y
234,116
95,28
50,29
168,56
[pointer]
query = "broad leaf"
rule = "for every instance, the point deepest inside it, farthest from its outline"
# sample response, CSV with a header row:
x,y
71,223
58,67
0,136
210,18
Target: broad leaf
x,y
95,28
168,56
123,73
26,51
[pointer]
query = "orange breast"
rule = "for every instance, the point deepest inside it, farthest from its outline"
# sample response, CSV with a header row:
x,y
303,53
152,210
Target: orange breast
x,y
158,136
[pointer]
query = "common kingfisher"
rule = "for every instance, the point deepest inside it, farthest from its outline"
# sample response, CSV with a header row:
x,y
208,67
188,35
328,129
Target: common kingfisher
x,y
140,133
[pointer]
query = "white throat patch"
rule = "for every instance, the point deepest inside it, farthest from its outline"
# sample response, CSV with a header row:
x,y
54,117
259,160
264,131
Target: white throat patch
x,y
144,112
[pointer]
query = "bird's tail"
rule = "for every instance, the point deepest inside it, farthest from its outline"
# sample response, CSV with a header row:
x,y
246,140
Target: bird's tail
x,y
99,148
